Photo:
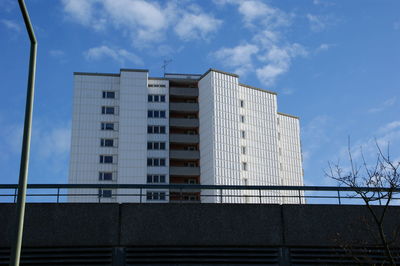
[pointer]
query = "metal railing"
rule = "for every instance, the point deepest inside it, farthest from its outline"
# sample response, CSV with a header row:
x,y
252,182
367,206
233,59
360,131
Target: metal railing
x,y
184,193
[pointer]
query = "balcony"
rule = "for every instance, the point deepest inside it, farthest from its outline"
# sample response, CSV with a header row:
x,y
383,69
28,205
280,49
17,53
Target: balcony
x,y
184,155
184,107
184,171
184,92
184,122
184,138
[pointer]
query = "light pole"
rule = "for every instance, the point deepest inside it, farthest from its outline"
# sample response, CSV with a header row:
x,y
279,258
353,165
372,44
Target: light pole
x,y
26,141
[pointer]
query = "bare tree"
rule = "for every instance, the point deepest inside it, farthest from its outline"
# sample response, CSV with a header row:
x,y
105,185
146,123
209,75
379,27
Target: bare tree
x,y
375,184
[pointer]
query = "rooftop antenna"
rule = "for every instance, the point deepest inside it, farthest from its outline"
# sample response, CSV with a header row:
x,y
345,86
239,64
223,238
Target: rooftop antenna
x,y
166,63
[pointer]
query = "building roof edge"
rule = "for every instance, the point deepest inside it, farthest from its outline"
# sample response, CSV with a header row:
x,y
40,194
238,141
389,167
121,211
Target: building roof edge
x,y
96,74
292,116
218,71
133,70
255,88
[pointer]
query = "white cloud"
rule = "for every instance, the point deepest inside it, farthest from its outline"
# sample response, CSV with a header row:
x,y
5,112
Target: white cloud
x,y
238,57
386,104
121,56
323,47
57,53
10,24
196,26
144,22
317,23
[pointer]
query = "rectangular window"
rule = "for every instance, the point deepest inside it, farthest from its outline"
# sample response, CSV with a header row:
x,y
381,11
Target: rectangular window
x,y
151,195
156,162
156,98
106,142
279,136
108,110
244,166
243,148
105,193
277,120
155,178
107,126
106,159
242,118
105,176
151,145
109,94
241,103
242,134
156,129
156,114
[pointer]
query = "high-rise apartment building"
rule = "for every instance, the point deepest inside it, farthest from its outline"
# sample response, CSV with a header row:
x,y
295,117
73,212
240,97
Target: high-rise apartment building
x,y
209,129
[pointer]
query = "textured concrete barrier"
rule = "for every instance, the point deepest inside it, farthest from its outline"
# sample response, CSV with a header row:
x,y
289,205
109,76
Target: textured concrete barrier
x,y
91,224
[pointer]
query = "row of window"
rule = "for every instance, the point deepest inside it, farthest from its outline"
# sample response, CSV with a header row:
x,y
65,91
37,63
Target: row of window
x,y
109,94
106,142
156,129
156,114
155,178
106,159
155,145
156,161
156,85
156,98
108,110
150,195
108,126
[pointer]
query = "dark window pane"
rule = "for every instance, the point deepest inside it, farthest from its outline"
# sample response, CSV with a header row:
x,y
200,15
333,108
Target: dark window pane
x,y
149,129
149,162
109,143
162,98
109,126
104,94
155,196
162,178
149,146
156,145
155,179
150,113
149,179
108,159
156,114
162,146
156,162
107,193
150,98
149,196
156,129
156,98
162,195
162,130
107,176
162,114
162,162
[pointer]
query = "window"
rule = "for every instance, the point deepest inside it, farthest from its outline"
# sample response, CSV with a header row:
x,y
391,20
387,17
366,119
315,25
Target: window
x,y
155,178
242,118
105,176
156,114
105,193
108,110
106,159
107,126
109,94
243,149
241,103
156,98
190,164
152,195
155,161
277,120
244,166
106,142
242,134
156,129
151,145
279,136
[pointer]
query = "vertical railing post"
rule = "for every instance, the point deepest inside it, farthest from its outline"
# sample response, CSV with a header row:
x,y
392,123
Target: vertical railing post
x,y
58,195
15,195
220,195
259,194
300,196
338,193
140,194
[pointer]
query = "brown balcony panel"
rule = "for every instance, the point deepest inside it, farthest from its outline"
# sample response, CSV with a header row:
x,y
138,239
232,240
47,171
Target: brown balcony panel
x,y
184,155
184,107
184,138
184,122
184,171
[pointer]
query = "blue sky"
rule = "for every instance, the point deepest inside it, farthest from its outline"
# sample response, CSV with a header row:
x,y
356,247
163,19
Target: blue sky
x,y
335,64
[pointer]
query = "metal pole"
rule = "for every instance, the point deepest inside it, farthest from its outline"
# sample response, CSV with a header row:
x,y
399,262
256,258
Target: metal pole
x,y
26,142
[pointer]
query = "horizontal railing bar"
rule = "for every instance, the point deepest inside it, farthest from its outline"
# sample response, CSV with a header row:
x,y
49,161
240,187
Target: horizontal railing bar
x,y
197,187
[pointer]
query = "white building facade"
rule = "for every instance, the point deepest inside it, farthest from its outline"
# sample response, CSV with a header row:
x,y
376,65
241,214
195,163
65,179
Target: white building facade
x,y
209,129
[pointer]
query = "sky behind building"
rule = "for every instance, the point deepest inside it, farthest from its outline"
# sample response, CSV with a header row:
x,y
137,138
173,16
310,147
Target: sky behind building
x,y
335,64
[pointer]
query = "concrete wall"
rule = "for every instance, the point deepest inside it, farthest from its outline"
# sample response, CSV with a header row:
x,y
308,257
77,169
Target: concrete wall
x,y
109,224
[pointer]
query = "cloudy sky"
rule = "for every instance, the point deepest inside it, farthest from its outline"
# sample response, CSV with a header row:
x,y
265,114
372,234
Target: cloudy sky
x,y
335,64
